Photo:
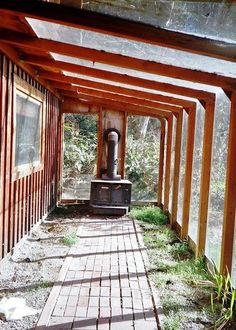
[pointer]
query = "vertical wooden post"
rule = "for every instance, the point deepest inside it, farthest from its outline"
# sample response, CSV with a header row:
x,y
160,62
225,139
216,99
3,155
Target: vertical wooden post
x,y
161,162
188,172
124,136
205,176
230,194
168,162
2,149
61,153
99,152
177,159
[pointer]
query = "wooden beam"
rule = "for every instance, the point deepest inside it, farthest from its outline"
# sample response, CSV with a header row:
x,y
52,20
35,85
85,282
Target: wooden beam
x,y
160,69
123,148
14,57
177,159
153,85
99,152
119,27
126,91
71,105
205,176
168,163
25,41
120,104
82,92
230,195
188,172
161,163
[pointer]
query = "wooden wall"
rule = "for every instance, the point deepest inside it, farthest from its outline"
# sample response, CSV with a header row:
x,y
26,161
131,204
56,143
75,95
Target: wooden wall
x,y
25,201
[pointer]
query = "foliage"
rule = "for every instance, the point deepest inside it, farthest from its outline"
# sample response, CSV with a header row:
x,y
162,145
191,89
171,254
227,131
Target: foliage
x,y
172,321
142,157
223,294
149,214
80,147
175,271
69,239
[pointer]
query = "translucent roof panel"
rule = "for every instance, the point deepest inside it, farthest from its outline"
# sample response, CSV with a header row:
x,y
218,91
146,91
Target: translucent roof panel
x,y
130,48
213,19
133,73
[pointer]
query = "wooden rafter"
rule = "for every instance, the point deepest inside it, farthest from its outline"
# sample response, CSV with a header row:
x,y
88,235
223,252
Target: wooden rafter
x,y
130,93
125,104
84,92
71,105
26,41
119,27
160,69
194,93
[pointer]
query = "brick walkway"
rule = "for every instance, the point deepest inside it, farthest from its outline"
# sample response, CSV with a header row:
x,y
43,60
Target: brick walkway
x,y
103,283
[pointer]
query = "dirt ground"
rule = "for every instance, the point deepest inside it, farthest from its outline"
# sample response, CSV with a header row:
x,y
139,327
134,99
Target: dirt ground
x,y
32,269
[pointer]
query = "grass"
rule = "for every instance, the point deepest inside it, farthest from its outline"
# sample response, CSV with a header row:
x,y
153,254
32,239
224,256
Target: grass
x,y
149,214
172,321
70,239
175,271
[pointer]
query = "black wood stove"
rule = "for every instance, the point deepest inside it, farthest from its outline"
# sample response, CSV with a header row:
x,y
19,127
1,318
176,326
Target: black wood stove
x,y
111,195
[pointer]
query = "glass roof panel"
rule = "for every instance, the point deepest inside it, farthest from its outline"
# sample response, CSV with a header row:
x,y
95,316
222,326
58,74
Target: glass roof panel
x,y
133,73
130,48
213,19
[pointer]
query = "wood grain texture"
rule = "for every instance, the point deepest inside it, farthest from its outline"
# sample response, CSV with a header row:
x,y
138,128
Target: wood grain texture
x,y
205,176
230,194
120,28
20,198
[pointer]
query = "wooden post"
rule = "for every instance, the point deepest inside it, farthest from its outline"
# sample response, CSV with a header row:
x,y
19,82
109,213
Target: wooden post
x,y
161,162
188,172
177,159
230,194
168,163
99,151
123,151
205,176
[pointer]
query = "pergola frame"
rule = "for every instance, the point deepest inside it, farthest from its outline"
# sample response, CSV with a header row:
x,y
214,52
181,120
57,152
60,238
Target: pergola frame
x,y
145,33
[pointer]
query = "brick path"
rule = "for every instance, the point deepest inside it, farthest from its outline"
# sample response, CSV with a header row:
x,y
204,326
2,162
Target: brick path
x,y
103,283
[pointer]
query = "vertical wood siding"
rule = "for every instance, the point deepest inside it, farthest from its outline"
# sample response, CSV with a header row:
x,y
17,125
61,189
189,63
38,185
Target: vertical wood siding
x,y
25,201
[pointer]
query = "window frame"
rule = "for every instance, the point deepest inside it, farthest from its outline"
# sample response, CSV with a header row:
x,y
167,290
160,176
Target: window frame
x,y
23,87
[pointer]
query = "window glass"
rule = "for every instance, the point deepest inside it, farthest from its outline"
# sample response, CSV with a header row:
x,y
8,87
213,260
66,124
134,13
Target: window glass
x,y
218,175
182,168
196,176
27,131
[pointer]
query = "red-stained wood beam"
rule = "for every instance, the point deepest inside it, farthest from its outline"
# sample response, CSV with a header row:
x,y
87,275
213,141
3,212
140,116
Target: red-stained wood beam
x,y
149,111
173,89
161,163
160,69
84,92
128,92
14,57
73,105
119,27
26,41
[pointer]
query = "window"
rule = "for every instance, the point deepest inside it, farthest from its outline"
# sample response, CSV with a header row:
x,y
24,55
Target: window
x,y
28,116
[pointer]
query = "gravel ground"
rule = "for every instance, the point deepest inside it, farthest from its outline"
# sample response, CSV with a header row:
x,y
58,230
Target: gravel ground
x,y
32,269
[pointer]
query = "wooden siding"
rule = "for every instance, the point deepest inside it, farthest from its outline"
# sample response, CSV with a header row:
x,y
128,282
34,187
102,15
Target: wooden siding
x,y
25,201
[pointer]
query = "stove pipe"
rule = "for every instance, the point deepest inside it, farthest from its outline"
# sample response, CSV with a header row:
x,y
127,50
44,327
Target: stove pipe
x,y
112,157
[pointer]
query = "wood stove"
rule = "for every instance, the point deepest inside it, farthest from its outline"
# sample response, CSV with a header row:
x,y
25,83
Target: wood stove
x,y
111,195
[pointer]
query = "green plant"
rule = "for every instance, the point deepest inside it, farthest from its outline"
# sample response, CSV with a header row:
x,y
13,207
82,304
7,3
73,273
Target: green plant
x,y
172,321
223,294
69,239
180,250
149,214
